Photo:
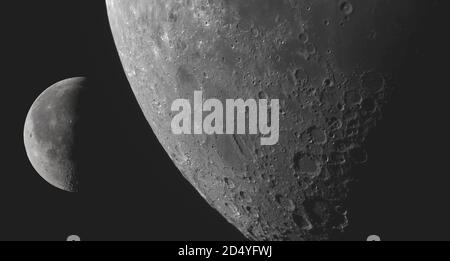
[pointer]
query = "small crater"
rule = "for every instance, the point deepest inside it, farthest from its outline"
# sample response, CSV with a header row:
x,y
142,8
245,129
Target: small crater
x,y
317,135
327,82
303,37
305,163
302,221
336,158
230,184
318,211
278,198
334,124
353,97
310,48
300,76
372,82
346,7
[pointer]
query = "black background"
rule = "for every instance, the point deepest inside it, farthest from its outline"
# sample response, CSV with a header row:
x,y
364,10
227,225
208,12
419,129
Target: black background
x,y
132,191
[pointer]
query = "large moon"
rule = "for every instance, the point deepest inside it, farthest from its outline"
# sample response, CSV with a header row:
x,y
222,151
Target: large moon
x,y
331,63
49,133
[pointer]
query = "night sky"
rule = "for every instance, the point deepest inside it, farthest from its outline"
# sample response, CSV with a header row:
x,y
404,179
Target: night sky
x,y
130,189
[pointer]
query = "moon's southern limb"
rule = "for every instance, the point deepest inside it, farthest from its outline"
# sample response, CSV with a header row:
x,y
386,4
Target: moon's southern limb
x,y
49,133
331,63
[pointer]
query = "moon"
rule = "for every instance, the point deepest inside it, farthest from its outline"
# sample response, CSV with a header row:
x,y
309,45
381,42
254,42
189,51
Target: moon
x,y
332,65
50,132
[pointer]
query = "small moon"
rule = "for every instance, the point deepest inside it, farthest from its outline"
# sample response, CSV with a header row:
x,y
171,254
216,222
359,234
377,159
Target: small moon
x,y
49,133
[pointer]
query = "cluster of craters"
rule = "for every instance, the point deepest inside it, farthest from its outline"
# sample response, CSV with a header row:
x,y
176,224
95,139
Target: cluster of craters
x,y
329,64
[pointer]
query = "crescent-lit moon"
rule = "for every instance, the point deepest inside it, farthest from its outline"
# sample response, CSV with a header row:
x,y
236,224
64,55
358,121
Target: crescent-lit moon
x,y
49,133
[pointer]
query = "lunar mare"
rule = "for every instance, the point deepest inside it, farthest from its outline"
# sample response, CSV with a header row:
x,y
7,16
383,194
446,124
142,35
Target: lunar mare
x,y
330,63
49,134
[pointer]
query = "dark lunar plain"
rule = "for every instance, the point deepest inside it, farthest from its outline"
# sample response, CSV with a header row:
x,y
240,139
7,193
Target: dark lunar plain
x,y
132,190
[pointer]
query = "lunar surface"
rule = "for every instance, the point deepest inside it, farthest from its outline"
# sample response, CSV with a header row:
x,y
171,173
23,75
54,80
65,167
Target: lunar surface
x,y
49,133
331,63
